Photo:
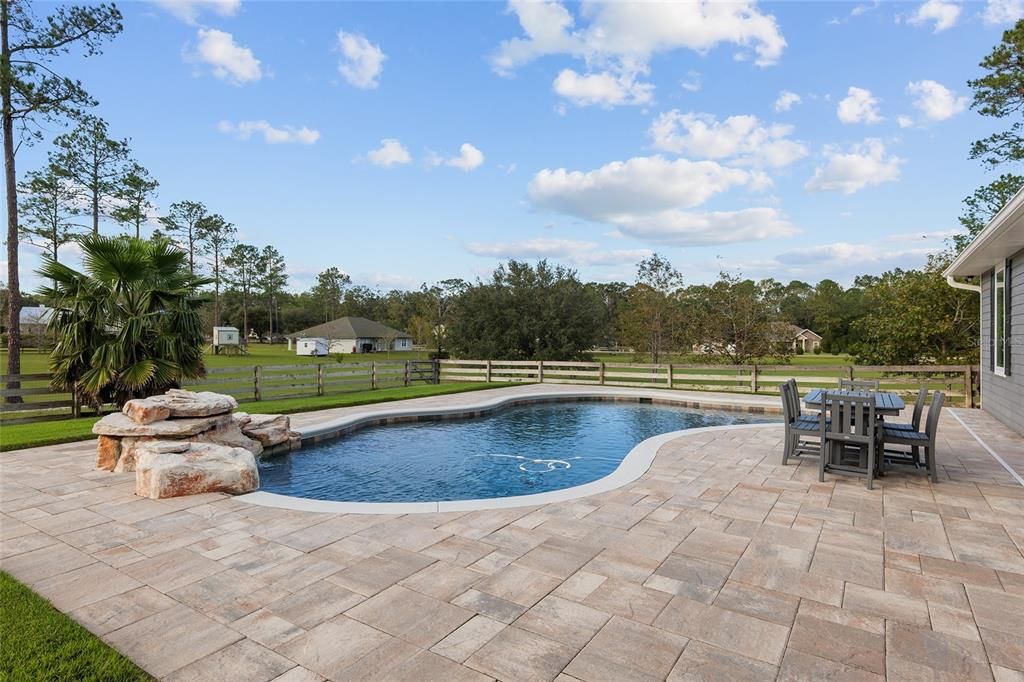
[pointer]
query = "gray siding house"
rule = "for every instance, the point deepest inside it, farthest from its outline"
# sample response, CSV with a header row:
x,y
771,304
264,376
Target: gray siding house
x,y
994,262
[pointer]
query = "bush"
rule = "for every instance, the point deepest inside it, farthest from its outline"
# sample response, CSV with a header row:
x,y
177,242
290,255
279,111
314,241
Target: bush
x,y
443,355
799,350
817,350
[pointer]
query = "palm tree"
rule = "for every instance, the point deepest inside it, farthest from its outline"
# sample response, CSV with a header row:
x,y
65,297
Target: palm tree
x,y
128,326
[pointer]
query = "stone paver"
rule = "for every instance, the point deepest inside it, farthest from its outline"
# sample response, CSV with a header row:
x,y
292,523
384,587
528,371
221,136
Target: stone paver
x,y
718,563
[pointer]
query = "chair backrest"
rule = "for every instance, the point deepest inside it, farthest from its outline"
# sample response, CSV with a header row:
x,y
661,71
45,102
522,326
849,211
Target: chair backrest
x,y
852,417
932,425
859,384
794,397
787,404
922,397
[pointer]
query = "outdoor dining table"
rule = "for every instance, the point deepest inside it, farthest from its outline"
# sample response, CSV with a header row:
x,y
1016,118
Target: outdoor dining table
x,y
886,404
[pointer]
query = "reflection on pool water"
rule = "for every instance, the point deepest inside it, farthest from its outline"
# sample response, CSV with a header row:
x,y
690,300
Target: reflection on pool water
x,y
518,451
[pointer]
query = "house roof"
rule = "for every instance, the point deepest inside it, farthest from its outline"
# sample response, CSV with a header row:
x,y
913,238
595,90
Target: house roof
x,y
349,328
1001,238
808,332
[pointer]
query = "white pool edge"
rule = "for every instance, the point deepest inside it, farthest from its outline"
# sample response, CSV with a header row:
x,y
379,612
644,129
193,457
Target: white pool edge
x,y
634,465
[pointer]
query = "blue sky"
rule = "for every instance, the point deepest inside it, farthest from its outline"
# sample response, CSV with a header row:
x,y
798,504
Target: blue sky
x,y
406,143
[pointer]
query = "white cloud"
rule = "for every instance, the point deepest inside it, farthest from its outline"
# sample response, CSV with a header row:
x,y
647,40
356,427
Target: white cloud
x,y
390,153
1003,11
864,165
243,130
469,158
848,254
575,252
904,121
602,88
227,60
619,39
786,100
361,61
742,138
859,106
692,82
943,13
189,10
936,101
644,197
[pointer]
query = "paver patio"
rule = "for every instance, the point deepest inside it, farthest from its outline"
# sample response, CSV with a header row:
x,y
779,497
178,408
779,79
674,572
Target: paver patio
x,y
718,563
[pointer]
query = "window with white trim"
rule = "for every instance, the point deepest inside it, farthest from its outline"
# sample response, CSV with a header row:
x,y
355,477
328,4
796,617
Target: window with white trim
x,y
1000,312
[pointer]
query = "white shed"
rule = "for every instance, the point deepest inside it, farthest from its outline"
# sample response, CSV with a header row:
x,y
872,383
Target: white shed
x,y
226,338
312,346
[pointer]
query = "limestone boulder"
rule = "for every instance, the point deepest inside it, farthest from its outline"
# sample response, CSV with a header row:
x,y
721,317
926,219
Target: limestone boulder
x,y
175,468
178,404
120,424
230,434
108,452
268,429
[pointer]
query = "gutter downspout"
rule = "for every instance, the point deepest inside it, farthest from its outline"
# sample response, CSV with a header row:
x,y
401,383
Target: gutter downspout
x,y
951,281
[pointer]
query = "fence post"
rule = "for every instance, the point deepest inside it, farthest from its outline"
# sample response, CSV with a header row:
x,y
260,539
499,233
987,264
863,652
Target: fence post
x,y
968,386
487,372
257,376
319,378
540,371
753,378
406,372
671,369
600,373
849,372
373,374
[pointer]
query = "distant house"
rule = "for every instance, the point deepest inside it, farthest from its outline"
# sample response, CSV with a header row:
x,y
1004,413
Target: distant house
x,y
796,339
355,335
995,259
34,322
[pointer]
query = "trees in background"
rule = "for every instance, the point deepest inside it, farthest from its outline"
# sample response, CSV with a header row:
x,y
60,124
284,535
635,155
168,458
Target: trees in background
x,y
330,291
915,317
215,237
651,320
527,312
91,159
134,195
998,94
33,94
128,325
182,224
240,268
47,210
734,319
436,312
270,282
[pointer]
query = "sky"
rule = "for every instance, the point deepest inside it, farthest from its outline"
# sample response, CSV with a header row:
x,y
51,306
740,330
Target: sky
x,y
412,142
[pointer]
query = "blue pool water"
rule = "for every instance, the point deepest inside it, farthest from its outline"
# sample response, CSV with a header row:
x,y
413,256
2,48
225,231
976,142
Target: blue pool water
x,y
518,451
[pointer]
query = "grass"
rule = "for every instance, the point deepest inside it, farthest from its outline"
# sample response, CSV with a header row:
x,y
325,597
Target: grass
x,y
18,436
41,643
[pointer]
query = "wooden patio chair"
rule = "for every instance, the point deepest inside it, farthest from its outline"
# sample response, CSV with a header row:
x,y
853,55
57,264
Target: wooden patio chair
x,y
848,426
920,439
800,429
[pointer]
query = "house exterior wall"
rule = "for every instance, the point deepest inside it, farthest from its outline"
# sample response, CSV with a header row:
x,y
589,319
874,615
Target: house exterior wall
x,y
1001,396
379,344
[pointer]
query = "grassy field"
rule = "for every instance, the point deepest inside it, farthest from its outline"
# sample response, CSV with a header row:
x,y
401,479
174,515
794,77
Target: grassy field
x,y
41,643
34,361
18,436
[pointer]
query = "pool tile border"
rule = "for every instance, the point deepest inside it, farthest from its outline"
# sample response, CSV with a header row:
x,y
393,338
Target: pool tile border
x,y
632,467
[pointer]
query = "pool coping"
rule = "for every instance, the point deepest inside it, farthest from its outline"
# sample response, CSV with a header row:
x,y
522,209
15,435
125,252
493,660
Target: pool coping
x,y
634,465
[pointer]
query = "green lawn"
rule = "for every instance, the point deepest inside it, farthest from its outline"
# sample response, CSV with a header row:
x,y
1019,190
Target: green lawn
x,y
18,436
34,361
38,642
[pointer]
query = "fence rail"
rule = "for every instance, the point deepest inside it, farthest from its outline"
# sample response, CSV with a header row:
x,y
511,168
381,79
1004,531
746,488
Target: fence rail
x,y
272,382
252,383
959,382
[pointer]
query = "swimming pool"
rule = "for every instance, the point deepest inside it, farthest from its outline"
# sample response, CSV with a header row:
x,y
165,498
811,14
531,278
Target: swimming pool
x,y
517,451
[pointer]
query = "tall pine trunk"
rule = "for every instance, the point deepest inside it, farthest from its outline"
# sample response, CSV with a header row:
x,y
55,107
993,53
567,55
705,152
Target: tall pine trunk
x,y
11,183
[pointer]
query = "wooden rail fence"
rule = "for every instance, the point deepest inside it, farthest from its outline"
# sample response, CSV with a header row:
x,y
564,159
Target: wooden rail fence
x,y
245,383
272,382
959,382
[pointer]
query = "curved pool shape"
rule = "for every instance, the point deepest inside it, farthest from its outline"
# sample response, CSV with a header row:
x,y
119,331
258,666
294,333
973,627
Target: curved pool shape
x,y
518,451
